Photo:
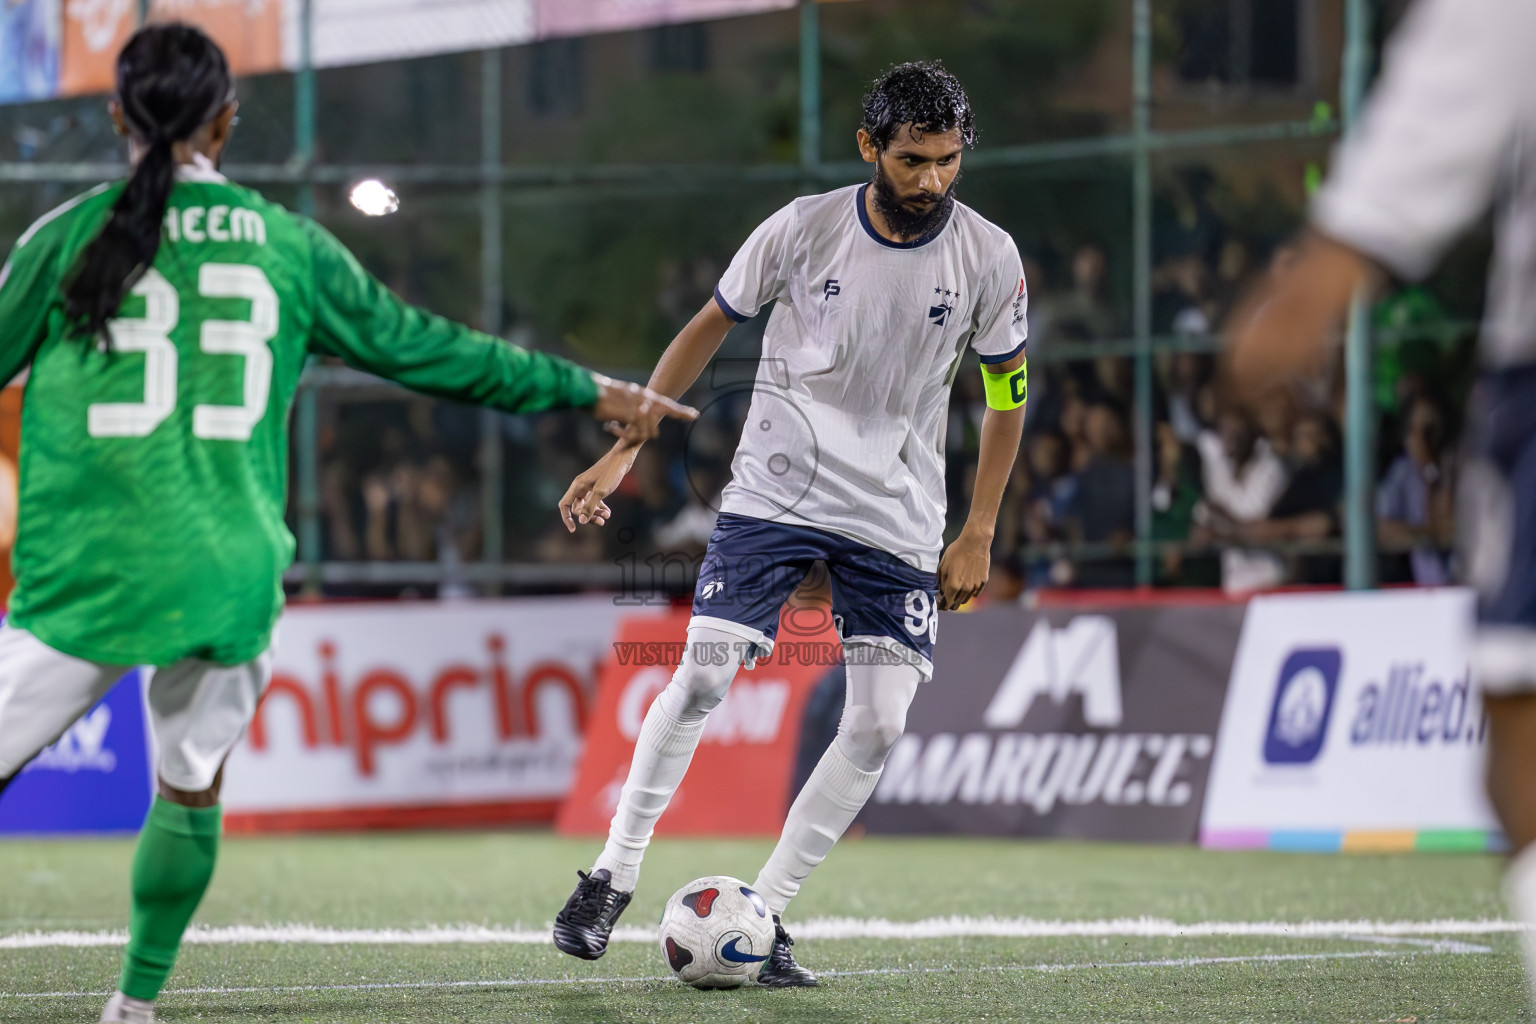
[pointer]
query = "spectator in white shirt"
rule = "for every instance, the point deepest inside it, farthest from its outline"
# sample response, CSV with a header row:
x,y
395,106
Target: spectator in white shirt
x,y
1243,479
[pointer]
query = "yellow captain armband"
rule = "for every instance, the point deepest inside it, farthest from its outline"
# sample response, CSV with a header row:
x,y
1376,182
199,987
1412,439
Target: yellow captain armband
x,y
1006,390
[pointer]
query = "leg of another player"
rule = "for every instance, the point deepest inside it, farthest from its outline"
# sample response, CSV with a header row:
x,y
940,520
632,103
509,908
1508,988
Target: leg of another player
x,y
198,711
663,751
1512,789
874,716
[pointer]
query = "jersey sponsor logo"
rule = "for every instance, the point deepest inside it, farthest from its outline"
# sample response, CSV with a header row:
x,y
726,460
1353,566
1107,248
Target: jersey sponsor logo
x,y
831,288
1303,703
729,953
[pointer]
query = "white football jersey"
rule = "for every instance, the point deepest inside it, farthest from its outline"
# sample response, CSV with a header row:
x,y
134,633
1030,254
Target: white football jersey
x,y
850,403
1450,130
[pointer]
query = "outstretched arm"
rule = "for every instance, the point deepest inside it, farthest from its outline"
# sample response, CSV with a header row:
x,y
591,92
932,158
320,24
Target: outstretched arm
x,y
1420,167
966,563
368,326
28,284
679,366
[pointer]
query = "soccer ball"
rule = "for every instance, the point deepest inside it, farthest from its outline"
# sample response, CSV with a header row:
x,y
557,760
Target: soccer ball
x,y
716,933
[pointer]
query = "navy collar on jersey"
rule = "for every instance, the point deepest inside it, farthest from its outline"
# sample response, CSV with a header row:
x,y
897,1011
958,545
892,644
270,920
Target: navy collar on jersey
x,y
858,202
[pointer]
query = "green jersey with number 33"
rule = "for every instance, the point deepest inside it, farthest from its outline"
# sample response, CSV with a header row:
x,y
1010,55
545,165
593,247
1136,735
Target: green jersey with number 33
x,y
154,475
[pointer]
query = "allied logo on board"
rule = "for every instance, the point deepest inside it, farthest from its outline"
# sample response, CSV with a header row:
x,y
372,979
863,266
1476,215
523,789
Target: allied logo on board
x,y
1102,764
1408,707
1303,703
1403,707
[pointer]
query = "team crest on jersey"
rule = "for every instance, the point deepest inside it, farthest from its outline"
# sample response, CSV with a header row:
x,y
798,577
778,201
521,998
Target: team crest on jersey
x,y
943,305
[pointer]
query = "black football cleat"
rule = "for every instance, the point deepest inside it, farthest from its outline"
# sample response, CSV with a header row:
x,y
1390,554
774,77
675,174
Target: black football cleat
x,y
582,927
781,971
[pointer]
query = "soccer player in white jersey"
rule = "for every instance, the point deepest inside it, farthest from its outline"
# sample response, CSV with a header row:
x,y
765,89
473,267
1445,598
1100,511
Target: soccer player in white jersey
x,y
1449,132
880,289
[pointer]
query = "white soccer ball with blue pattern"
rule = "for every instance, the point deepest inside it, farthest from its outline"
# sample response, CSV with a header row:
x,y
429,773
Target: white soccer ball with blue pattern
x,y
716,933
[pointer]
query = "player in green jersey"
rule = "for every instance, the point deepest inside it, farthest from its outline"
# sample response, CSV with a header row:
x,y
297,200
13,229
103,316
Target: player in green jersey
x,y
166,320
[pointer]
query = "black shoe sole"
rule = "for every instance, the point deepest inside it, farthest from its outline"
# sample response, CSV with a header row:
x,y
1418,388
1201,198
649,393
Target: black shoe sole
x,y
579,950
778,981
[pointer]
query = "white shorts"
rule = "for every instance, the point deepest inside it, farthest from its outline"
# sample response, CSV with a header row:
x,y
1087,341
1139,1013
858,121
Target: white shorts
x,y
197,709
1504,660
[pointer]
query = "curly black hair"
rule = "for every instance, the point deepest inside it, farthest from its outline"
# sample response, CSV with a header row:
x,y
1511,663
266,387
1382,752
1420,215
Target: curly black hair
x,y
923,94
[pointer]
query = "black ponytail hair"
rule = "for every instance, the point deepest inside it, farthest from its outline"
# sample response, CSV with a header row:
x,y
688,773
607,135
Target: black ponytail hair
x,y
171,80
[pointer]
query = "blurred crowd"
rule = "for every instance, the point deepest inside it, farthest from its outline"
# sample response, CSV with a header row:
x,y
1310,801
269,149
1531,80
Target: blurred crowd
x,y
1243,498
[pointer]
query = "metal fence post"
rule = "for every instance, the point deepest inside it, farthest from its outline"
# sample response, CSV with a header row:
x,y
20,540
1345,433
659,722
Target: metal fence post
x,y
810,88
1359,411
1141,244
491,483
307,413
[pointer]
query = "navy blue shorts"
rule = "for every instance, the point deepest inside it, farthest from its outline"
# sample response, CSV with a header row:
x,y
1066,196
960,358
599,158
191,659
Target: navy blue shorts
x,y
753,565
1496,520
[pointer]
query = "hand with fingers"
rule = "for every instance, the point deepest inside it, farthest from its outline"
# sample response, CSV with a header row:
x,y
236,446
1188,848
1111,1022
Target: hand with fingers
x,y
633,413
963,570
583,501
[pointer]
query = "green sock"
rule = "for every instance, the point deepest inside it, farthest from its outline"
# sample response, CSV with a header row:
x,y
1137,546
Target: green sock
x,y
171,870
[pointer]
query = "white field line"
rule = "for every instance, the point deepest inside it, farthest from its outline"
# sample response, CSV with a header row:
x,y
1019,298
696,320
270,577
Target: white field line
x,y
824,929
1461,949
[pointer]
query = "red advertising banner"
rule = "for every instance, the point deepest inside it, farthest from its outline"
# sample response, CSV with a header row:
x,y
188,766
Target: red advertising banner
x,y
411,714
739,781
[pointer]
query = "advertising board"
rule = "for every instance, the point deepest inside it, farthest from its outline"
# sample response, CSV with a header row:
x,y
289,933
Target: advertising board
x,y
1352,722
1096,723
410,713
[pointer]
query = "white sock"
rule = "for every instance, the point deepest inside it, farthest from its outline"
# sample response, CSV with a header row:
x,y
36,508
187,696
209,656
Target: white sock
x,y
662,754
1520,887
831,799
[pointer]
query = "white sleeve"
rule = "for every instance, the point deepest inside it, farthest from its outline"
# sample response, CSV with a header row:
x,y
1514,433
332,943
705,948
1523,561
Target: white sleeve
x,y
1432,142
760,270
1002,310
1246,499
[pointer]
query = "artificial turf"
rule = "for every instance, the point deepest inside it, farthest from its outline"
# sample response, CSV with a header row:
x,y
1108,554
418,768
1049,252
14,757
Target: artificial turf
x,y
517,880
